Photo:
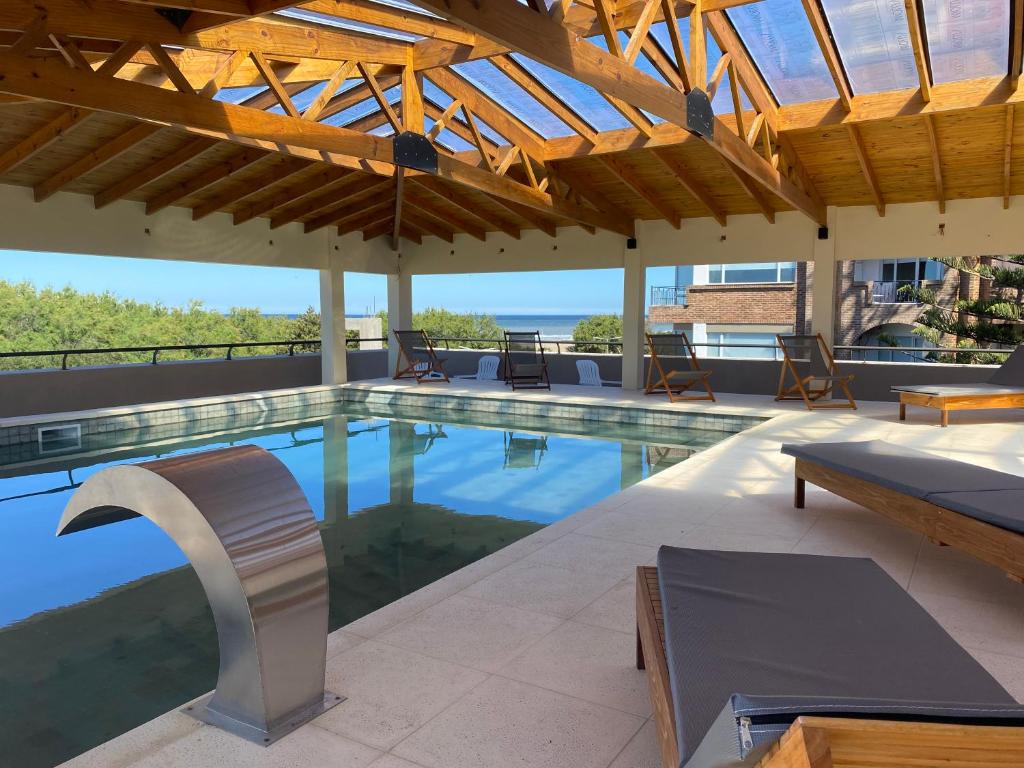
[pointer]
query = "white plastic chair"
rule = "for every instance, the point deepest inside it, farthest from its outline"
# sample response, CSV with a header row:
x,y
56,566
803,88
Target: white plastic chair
x,y
486,369
590,374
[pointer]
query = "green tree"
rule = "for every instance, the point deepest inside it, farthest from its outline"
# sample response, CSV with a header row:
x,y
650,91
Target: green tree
x,y
994,318
598,328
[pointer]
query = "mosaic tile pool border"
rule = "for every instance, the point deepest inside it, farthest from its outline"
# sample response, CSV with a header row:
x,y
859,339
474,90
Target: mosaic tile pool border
x,y
19,441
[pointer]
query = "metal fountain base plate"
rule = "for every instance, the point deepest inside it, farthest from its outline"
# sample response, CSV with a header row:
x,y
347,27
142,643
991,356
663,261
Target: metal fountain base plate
x,y
201,712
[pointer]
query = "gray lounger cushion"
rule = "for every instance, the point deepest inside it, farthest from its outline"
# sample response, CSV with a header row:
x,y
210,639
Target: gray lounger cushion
x,y
1004,509
903,469
772,637
1007,380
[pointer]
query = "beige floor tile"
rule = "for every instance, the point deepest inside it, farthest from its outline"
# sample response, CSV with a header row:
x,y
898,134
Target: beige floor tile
x,y
392,761
341,641
544,588
309,746
508,724
984,626
590,663
948,571
475,633
1008,670
734,541
577,552
615,609
642,751
130,747
893,547
390,692
764,514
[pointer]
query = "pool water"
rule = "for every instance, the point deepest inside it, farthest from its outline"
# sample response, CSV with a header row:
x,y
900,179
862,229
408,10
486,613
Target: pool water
x,y
105,629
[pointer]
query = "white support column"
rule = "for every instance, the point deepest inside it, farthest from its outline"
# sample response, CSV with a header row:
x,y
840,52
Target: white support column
x,y
823,282
399,312
634,287
333,360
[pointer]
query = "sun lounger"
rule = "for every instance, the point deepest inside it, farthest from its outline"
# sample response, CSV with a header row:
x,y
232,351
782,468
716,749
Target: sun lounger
x,y
1005,389
787,661
975,509
417,358
671,381
809,361
525,365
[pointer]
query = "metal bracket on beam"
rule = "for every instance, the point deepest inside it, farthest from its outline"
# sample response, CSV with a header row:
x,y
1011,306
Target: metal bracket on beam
x,y
247,528
416,151
700,117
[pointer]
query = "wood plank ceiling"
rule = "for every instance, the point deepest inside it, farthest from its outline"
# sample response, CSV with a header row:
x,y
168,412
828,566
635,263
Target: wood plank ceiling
x,y
286,111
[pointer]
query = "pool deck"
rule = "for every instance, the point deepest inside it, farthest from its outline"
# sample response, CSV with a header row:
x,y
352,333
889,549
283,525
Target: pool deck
x,y
525,658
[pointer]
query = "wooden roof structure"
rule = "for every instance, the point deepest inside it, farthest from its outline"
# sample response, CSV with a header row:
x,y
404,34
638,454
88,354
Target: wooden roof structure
x,y
542,115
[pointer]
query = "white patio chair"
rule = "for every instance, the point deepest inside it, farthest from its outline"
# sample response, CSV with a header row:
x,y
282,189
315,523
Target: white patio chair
x,y
486,369
590,374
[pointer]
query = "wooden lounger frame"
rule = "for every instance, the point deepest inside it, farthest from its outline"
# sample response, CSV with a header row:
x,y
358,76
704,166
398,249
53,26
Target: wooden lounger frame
x,y
426,369
947,403
663,381
802,389
824,742
989,543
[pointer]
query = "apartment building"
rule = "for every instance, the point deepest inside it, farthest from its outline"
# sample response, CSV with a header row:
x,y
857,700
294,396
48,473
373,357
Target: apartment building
x,y
735,310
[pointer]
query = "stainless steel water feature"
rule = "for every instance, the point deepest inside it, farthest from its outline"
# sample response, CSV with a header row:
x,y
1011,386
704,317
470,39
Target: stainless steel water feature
x,y
247,528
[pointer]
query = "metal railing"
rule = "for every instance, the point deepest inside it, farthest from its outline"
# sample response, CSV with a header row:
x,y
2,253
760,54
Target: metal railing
x,y
613,345
889,292
668,295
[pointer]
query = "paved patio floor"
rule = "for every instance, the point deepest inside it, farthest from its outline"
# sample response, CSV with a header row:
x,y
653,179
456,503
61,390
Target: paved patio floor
x,y
525,658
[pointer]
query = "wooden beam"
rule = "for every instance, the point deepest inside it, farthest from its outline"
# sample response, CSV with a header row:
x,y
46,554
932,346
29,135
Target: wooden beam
x,y
293,193
822,33
1008,156
933,144
170,68
478,139
412,97
113,20
151,172
574,179
332,196
427,223
441,121
274,175
392,17
1016,41
409,232
93,160
534,218
525,80
366,218
678,49
40,138
379,229
920,48
270,78
698,48
685,178
743,66
467,205
381,99
631,179
639,33
370,197
604,10
426,203
330,87
753,191
201,181
865,166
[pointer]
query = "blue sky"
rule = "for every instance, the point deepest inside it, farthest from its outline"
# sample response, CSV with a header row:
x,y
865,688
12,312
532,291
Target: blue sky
x,y
280,290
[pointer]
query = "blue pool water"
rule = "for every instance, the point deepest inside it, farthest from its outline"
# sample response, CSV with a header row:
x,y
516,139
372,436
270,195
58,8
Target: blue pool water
x,y
105,629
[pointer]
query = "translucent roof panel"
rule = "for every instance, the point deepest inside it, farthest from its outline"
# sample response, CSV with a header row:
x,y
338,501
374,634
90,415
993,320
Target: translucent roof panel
x,y
363,108
874,43
780,40
967,39
238,95
450,140
587,102
496,84
336,21
443,100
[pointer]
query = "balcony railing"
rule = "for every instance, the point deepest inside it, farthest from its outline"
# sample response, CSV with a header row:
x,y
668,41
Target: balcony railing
x,y
668,295
889,292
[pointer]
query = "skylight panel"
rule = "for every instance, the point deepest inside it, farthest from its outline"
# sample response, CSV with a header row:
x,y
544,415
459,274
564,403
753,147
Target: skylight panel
x,y
453,141
874,43
967,39
404,5
361,109
584,100
443,100
496,84
349,24
780,40
238,95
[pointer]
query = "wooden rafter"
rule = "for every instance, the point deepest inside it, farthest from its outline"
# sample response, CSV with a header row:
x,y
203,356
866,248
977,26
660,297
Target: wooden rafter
x,y
753,191
920,48
330,198
478,139
197,183
1016,41
291,194
698,46
330,87
428,224
466,203
639,33
628,176
1008,156
535,218
868,171
822,33
277,173
152,172
392,17
933,146
383,192
381,99
442,120
685,178
274,84
366,218
429,204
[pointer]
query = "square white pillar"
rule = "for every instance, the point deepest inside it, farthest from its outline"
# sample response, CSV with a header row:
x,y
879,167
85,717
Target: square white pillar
x,y
634,286
333,360
823,282
399,313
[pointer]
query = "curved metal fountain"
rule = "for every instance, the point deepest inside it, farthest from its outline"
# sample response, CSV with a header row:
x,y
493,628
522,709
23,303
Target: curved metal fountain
x,y
246,526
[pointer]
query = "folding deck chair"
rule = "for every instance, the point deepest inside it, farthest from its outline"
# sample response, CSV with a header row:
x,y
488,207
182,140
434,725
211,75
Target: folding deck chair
x,y
525,365
675,382
808,359
417,358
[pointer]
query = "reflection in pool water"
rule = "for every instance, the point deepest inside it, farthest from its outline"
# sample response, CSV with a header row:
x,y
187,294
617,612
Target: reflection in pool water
x,y
108,628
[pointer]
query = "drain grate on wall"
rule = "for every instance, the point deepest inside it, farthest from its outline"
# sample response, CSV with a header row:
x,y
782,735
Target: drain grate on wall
x,y
60,437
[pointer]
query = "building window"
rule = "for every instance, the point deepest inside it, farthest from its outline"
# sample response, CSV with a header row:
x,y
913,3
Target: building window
x,y
891,275
719,345
896,341
773,272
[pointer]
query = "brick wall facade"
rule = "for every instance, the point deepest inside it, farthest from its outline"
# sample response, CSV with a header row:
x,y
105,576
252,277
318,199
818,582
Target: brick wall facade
x,y
856,312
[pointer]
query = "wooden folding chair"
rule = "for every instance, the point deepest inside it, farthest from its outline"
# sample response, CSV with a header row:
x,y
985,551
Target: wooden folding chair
x,y
809,361
417,358
675,382
525,365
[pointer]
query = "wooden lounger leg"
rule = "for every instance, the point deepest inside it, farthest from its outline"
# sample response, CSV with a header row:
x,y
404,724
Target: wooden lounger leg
x,y
799,489
903,411
639,650
944,418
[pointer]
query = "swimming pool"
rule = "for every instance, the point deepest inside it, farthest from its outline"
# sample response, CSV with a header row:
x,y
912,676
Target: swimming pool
x,y
106,629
